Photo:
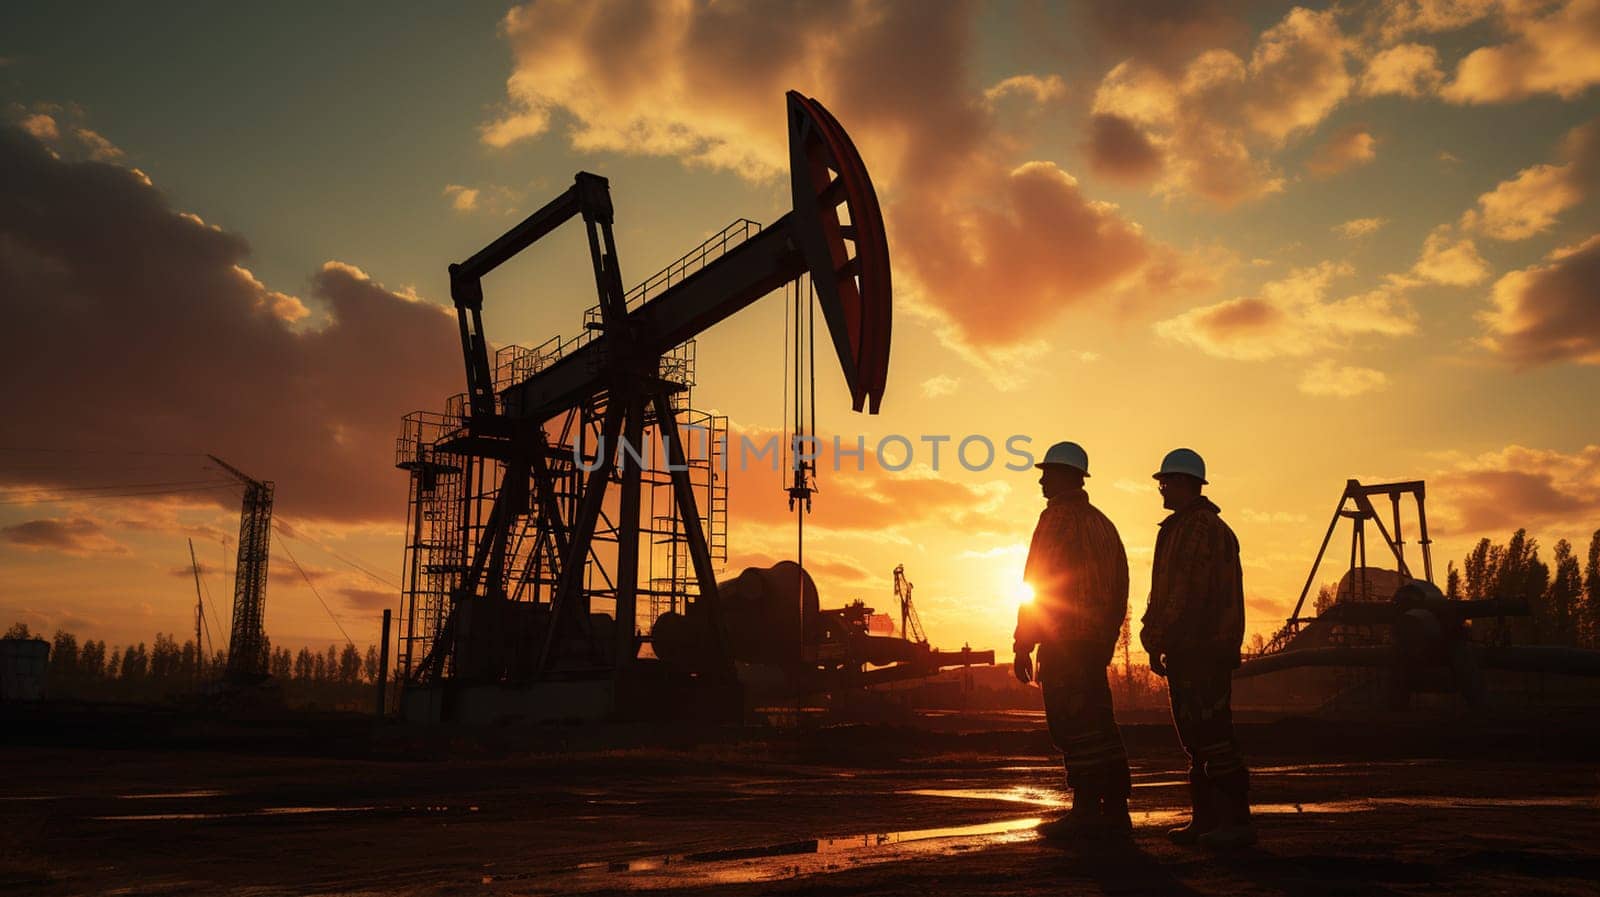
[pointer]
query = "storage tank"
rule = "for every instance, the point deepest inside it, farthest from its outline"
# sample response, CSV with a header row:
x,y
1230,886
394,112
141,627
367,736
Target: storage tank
x,y
23,666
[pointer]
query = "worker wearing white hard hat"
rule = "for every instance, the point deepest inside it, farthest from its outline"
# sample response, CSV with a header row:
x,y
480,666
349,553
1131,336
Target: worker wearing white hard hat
x,y
1079,574
1192,629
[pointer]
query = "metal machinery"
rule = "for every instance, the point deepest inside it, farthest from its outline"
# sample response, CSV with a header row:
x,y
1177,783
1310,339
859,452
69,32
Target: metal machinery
x,y
1385,644
787,645
561,486
247,646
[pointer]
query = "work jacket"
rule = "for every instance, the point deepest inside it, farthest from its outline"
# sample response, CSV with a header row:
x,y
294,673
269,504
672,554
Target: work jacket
x,y
1196,611
1079,574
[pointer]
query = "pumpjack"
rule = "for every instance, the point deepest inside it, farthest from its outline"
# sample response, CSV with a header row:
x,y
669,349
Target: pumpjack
x,y
529,515
1392,638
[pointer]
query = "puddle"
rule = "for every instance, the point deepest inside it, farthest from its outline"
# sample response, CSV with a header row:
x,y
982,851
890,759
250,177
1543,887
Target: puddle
x,y
1042,798
1015,795
786,860
171,795
265,811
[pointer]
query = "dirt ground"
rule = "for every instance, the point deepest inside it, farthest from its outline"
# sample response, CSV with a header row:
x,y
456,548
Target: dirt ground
x,y
161,805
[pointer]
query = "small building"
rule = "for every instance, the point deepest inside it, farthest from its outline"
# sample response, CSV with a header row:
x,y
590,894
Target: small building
x,y
24,664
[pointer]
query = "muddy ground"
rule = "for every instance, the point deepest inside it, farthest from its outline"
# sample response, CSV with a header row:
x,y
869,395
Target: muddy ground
x,y
136,803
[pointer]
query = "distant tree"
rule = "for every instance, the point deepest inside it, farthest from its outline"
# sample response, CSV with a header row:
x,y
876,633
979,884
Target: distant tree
x,y
1258,643
1590,618
304,665
64,657
1561,598
350,665
1326,598
330,664
18,630
1478,570
164,657
370,667
282,663
136,663
114,665
189,661
319,667
1452,581
92,660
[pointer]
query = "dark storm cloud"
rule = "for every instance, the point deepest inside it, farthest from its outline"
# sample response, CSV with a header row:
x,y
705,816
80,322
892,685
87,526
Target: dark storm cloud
x,y
132,326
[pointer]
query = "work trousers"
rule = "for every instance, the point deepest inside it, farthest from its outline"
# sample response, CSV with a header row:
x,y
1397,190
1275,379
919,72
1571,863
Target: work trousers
x,y
1077,706
1202,711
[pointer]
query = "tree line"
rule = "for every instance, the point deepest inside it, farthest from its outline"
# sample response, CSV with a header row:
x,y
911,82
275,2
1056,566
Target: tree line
x,y
93,669
1563,596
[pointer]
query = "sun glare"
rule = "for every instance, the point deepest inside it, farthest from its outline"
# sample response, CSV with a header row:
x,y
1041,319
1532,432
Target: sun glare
x,y
1023,592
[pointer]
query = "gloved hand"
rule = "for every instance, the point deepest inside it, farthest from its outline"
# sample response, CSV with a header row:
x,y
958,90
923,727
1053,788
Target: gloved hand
x,y
1158,664
1022,667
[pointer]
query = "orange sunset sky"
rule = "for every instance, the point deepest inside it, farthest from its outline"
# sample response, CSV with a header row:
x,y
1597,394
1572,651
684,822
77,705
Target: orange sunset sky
x,y
1311,243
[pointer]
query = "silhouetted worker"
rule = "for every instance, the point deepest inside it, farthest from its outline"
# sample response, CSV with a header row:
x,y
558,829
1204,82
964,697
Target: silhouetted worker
x,y
1079,574
1192,631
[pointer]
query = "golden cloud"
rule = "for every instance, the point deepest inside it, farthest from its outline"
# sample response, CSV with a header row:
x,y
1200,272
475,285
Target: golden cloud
x,y
1531,202
1407,70
1292,317
703,83
1348,148
1554,49
1325,378
1211,120
1548,313
1501,491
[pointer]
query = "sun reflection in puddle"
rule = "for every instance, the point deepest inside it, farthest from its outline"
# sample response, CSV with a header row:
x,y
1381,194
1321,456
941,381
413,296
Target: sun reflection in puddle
x,y
264,811
793,858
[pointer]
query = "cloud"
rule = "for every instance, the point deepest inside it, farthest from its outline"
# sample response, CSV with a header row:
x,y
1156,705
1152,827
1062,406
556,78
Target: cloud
x,y
1360,227
1498,492
1554,49
1212,120
1393,20
1165,33
1039,242
1325,378
940,385
72,535
1119,151
1032,87
462,199
178,348
1291,317
1407,70
1548,313
1530,203
967,217
863,495
360,599
1450,260
41,126
1348,148
1273,517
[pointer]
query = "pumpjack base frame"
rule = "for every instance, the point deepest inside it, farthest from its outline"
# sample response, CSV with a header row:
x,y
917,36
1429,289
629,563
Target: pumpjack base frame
x,y
647,692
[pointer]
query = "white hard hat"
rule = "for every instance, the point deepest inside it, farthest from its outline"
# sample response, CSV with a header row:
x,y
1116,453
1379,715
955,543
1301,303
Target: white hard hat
x,y
1067,454
1186,461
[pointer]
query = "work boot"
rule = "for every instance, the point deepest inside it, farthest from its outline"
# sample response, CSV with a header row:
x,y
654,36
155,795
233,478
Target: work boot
x,y
1083,820
1114,819
1233,829
1204,816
